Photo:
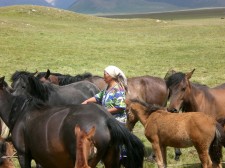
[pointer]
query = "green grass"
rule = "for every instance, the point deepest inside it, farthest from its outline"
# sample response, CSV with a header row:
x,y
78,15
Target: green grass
x,y
37,38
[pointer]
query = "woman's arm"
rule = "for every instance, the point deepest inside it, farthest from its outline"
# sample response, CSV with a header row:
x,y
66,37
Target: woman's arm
x,y
90,100
114,110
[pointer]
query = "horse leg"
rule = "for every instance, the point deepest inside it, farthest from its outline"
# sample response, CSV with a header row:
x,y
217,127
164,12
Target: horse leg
x,y
112,158
159,154
24,160
151,157
204,156
95,160
164,155
177,154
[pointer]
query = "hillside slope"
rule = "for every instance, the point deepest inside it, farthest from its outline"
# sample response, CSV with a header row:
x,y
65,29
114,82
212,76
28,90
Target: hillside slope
x,y
119,6
140,6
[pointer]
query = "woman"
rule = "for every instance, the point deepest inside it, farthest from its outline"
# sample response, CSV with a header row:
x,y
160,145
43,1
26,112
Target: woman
x,y
113,96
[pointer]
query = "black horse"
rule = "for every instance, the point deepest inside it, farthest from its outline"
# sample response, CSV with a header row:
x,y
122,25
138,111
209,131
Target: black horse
x,y
46,133
25,83
64,79
60,79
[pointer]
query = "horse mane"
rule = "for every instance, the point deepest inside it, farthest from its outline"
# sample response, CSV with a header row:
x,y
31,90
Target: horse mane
x,y
174,79
16,75
150,107
67,79
21,105
42,74
38,89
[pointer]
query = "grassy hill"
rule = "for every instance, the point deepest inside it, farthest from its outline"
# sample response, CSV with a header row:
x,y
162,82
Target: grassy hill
x,y
37,38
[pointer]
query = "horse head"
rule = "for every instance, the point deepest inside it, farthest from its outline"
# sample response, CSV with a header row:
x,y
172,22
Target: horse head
x,y
84,146
132,119
179,90
2,151
21,82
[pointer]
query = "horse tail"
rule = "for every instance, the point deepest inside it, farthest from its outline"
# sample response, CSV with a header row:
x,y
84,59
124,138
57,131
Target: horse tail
x,y
134,147
215,150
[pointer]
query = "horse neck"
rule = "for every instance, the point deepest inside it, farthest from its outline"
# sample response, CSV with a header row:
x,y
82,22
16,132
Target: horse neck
x,y
5,112
190,102
142,116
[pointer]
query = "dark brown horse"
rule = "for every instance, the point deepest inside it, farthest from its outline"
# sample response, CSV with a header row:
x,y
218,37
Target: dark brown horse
x,y
163,129
46,133
60,79
145,88
188,96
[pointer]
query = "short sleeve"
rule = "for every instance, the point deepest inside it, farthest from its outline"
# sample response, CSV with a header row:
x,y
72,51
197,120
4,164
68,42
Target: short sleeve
x,y
99,96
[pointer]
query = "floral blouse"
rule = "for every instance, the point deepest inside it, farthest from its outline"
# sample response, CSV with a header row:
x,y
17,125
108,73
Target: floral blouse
x,y
114,97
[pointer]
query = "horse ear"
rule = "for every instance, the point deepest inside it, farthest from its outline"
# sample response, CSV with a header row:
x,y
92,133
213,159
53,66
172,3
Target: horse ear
x,y
35,73
77,129
47,74
190,74
169,73
2,79
91,132
127,101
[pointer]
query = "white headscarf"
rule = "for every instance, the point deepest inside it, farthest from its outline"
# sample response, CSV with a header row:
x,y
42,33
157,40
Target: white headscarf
x,y
116,73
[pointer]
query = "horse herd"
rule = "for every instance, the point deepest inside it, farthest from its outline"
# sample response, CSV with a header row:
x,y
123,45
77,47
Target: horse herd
x,y
48,123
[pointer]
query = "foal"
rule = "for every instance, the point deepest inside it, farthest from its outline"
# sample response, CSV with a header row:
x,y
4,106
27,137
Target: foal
x,y
6,150
179,130
84,144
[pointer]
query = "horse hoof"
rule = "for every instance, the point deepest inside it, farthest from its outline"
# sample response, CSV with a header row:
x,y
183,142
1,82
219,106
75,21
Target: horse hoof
x,y
151,159
177,158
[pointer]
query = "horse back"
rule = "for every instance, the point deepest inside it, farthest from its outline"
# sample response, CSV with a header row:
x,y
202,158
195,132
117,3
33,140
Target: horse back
x,y
152,90
74,93
216,102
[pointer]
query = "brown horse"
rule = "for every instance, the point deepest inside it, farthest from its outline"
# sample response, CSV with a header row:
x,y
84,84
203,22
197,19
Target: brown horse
x,y
163,129
84,145
188,96
152,90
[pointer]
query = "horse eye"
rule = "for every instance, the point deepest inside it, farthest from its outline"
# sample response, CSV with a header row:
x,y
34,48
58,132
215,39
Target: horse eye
x,y
183,89
23,87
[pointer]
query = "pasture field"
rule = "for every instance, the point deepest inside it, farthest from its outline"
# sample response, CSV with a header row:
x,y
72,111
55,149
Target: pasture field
x,y
37,38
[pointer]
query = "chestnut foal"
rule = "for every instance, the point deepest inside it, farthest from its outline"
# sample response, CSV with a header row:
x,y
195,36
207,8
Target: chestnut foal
x,y
84,146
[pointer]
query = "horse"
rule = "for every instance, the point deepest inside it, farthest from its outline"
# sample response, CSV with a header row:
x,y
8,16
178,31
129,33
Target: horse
x,y
84,146
180,130
59,79
6,152
152,90
188,96
25,83
46,133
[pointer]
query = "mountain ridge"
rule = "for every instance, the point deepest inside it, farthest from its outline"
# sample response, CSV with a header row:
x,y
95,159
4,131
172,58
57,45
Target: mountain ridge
x,y
119,6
